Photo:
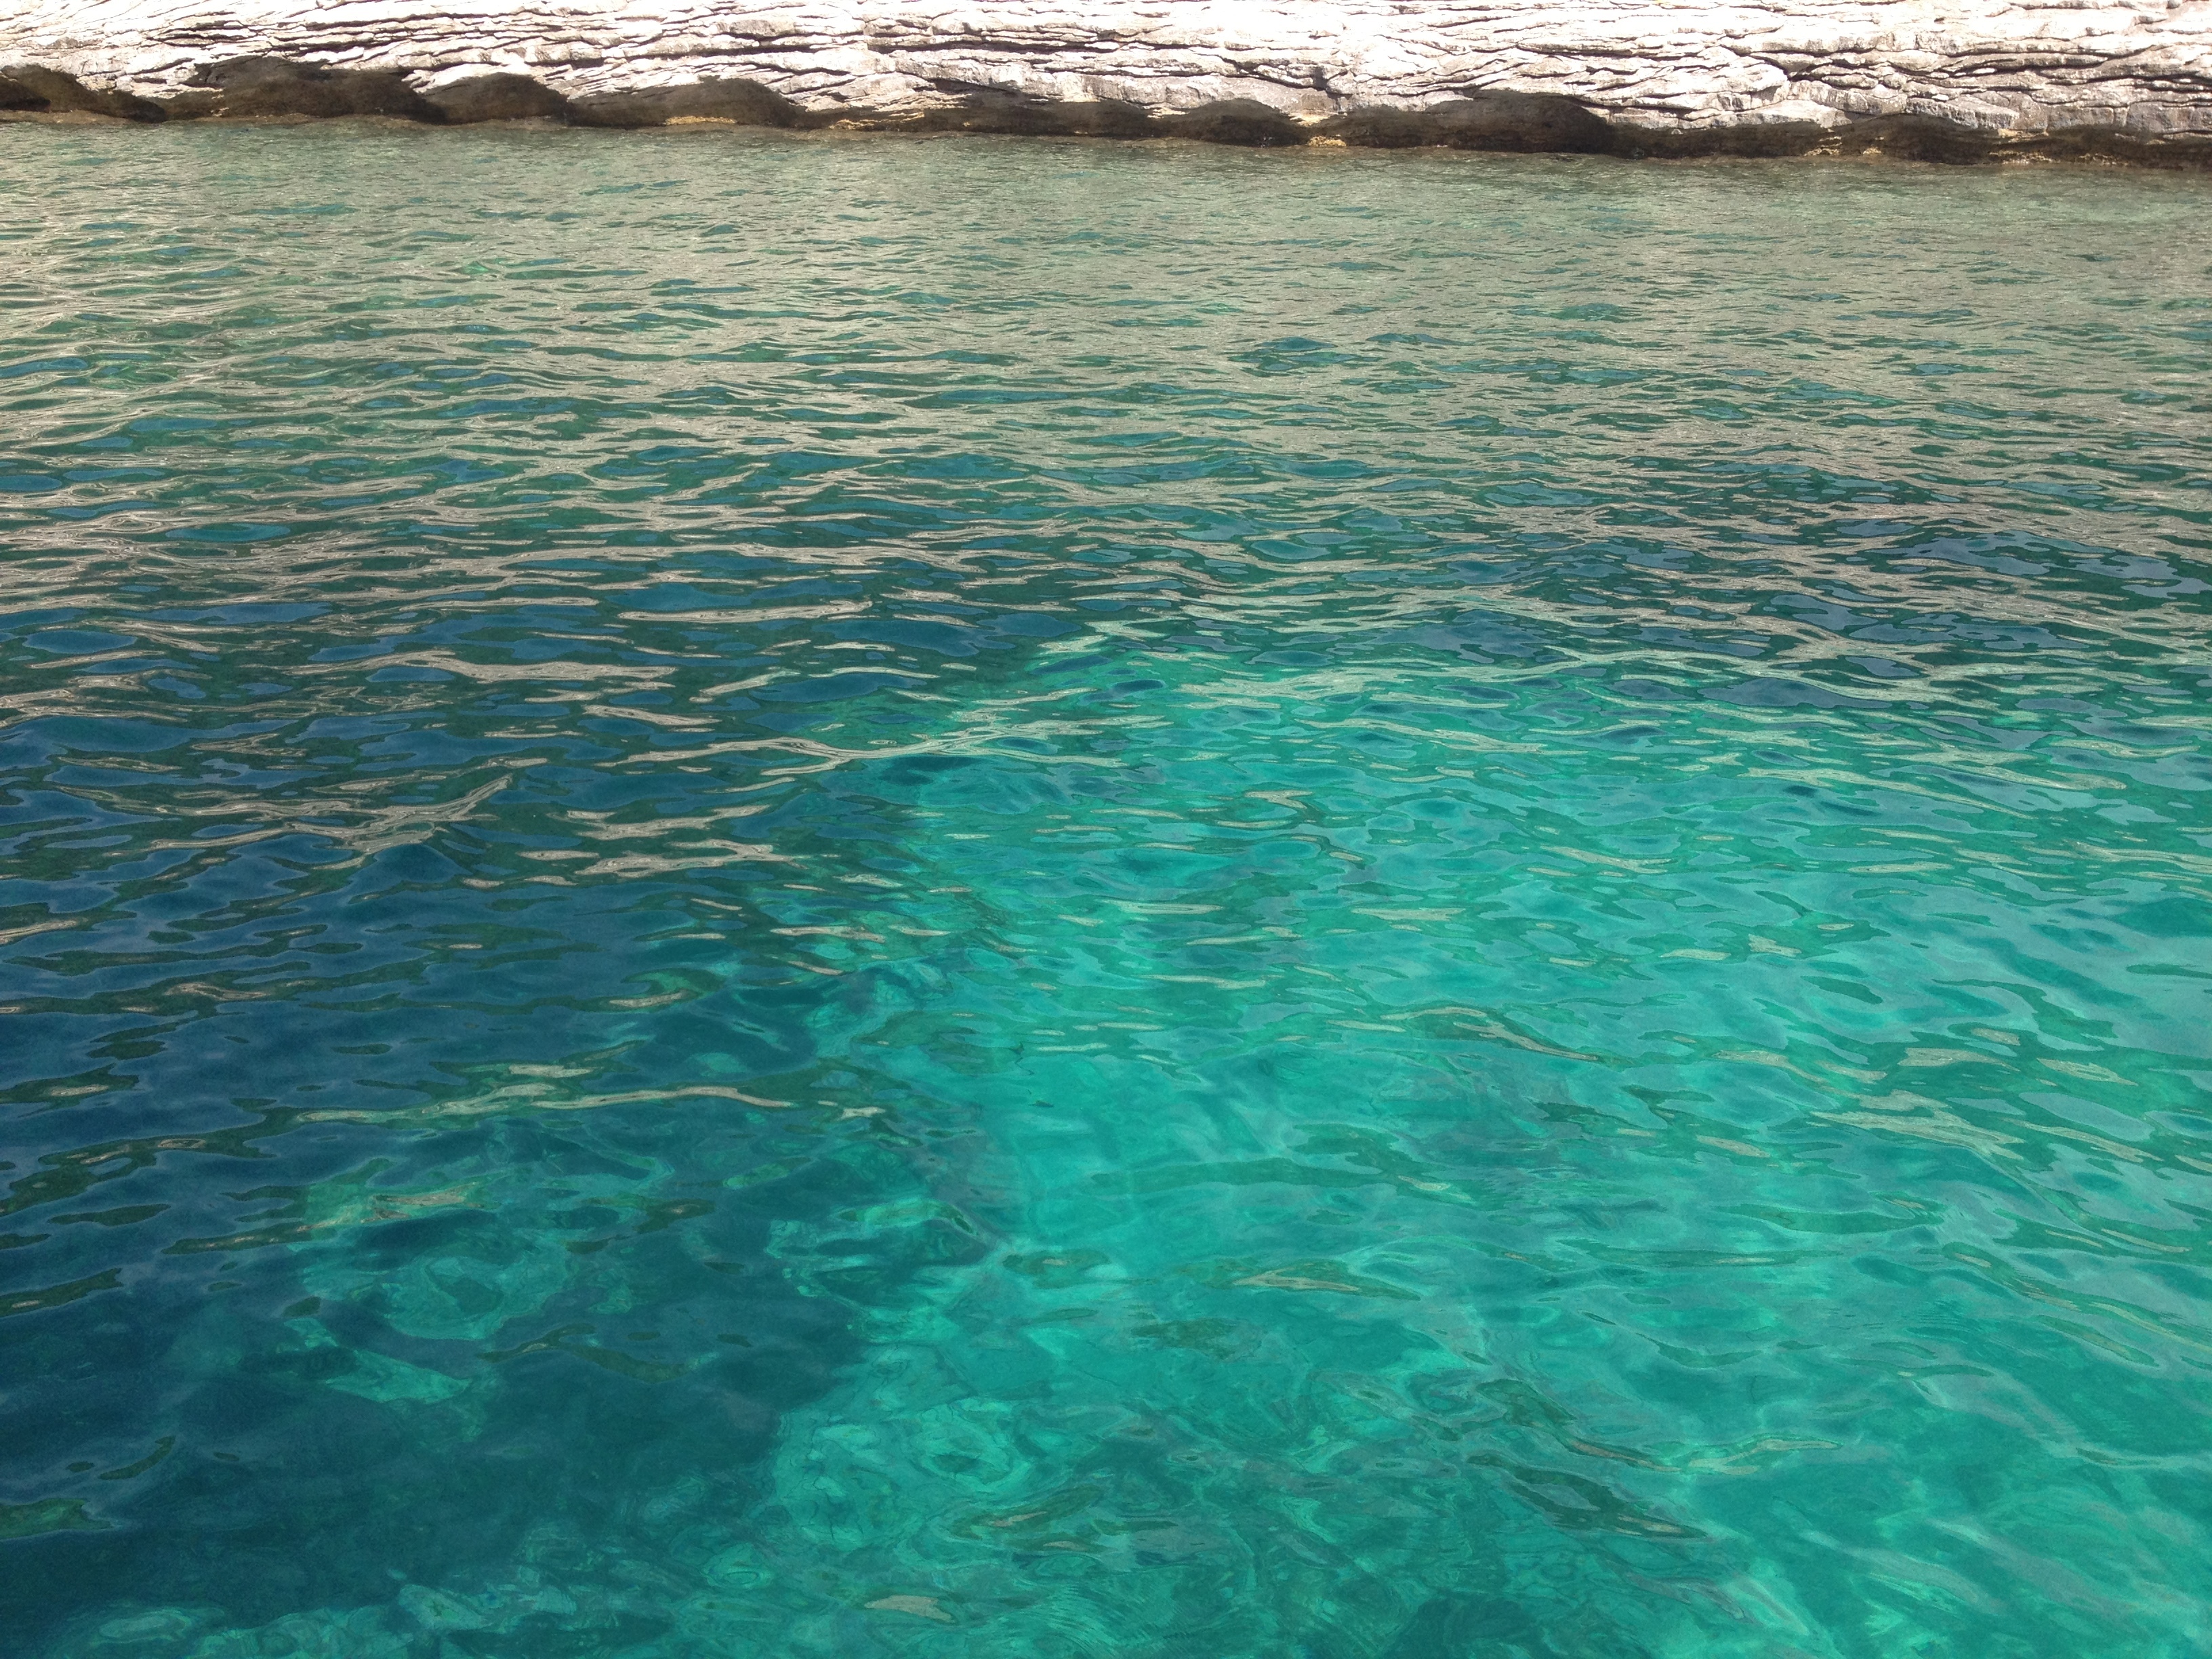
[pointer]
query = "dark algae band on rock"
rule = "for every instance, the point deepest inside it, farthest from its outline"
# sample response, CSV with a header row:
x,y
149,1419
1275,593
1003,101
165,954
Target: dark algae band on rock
x,y
27,86
263,89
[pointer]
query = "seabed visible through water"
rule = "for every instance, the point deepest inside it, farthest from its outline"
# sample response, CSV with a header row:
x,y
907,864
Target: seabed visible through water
x,y
776,899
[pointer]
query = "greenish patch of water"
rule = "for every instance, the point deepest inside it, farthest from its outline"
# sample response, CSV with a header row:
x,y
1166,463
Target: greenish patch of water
x,y
786,897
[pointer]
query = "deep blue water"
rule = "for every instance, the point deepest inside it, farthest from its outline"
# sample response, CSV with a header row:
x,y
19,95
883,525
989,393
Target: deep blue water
x,y
799,898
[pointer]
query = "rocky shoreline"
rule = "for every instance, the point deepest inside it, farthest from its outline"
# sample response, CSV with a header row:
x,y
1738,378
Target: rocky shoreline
x,y
2120,82
271,89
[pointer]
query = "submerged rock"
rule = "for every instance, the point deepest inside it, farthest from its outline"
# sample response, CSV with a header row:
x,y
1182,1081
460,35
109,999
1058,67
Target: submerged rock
x,y
1524,122
1768,139
2191,152
741,103
498,98
274,87
1235,121
61,93
1917,138
1030,118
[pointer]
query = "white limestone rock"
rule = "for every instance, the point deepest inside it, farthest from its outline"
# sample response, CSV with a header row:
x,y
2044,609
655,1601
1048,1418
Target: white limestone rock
x,y
2145,65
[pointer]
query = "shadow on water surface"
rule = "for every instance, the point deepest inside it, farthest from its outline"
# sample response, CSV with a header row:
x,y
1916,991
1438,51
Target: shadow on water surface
x,y
804,900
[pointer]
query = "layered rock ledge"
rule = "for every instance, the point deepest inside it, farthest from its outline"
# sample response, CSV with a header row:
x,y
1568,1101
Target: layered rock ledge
x,y
1940,79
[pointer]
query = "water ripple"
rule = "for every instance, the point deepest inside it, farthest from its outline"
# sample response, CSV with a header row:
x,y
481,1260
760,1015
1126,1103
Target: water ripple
x,y
796,896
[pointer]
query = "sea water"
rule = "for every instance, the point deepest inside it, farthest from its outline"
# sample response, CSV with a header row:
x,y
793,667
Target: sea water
x,y
796,898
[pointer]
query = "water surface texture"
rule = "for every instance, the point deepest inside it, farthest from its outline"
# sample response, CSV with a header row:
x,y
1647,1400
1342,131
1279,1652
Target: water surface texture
x,y
795,898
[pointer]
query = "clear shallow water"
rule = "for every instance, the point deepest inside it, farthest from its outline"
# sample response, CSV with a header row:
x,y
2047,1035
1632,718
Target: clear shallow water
x,y
788,898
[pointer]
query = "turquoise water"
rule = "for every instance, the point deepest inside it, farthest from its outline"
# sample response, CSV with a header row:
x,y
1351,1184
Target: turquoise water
x,y
804,898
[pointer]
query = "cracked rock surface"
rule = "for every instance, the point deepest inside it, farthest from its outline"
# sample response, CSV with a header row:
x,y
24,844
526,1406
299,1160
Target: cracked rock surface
x,y
2145,67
